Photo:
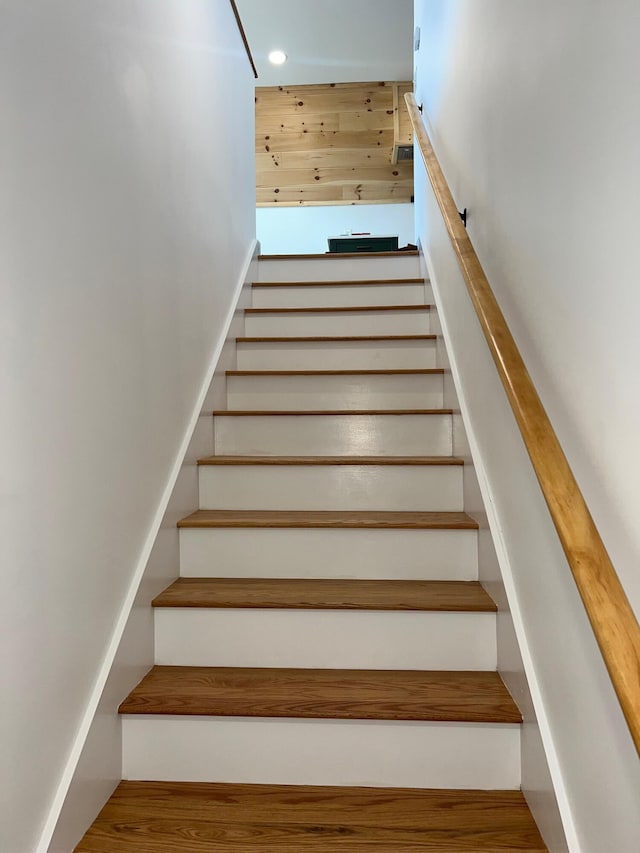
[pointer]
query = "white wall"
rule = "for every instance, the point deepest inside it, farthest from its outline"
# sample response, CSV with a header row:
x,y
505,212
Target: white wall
x,y
535,117
330,42
126,218
536,780
95,765
301,230
537,122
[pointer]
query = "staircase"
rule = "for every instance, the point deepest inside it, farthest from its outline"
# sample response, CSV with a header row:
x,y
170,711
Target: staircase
x,y
325,671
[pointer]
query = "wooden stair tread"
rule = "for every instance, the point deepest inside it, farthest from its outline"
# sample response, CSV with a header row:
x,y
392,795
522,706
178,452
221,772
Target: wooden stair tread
x,y
336,256
337,309
329,519
167,817
421,371
383,282
256,339
327,594
349,694
331,460
346,412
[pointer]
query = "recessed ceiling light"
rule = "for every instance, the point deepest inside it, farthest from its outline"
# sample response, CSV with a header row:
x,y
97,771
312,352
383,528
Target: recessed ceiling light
x,y
277,57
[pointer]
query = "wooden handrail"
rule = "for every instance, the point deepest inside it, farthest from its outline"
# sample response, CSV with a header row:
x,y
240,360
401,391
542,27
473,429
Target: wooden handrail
x,y
612,619
244,37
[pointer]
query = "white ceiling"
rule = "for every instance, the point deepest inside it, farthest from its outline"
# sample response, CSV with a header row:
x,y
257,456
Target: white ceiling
x,y
330,41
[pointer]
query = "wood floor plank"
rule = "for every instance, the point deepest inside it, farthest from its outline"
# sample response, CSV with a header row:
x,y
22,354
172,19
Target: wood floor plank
x,y
337,256
383,282
327,594
337,309
413,371
220,413
331,338
349,694
347,519
331,460
166,817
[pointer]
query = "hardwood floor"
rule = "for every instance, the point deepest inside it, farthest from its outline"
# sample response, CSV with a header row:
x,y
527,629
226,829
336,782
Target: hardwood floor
x,y
318,518
346,694
221,413
326,256
326,594
382,282
340,309
159,817
331,460
328,339
421,371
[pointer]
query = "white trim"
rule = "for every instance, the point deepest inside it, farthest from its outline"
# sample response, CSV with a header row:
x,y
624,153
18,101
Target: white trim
x,y
555,769
141,565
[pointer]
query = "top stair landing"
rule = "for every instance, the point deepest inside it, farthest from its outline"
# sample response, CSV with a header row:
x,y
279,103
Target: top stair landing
x,y
333,267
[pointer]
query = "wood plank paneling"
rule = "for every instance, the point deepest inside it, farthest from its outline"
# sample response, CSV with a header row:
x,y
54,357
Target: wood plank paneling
x,y
330,144
405,128
402,127
293,196
324,98
295,123
376,193
353,176
335,158
307,141
359,121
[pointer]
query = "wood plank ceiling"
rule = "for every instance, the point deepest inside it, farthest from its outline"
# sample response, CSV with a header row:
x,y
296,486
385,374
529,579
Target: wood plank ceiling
x,y
331,144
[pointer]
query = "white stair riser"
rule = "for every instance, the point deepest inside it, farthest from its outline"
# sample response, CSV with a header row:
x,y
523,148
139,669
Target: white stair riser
x,y
321,752
344,295
338,355
338,487
334,435
349,391
339,269
329,553
409,322
329,639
